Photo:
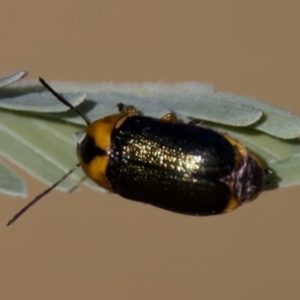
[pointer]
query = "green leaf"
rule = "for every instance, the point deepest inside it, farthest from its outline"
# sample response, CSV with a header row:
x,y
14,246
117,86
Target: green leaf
x,y
36,101
34,133
188,100
11,183
12,78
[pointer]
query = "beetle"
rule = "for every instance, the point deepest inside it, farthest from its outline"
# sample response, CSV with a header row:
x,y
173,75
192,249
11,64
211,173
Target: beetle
x,y
180,167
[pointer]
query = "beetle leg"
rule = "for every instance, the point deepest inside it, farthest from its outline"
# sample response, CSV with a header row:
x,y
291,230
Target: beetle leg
x,y
268,176
128,110
196,122
170,117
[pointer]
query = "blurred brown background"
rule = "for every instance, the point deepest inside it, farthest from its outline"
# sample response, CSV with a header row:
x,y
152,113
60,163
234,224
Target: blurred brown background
x,y
89,246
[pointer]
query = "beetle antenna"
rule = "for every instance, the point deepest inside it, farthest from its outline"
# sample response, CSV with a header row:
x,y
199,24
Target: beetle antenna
x,y
63,100
40,196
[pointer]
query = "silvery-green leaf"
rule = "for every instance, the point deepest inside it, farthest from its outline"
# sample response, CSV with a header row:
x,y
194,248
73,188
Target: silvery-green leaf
x,y
12,78
37,101
48,147
157,99
10,182
187,99
53,150
288,170
276,121
16,148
